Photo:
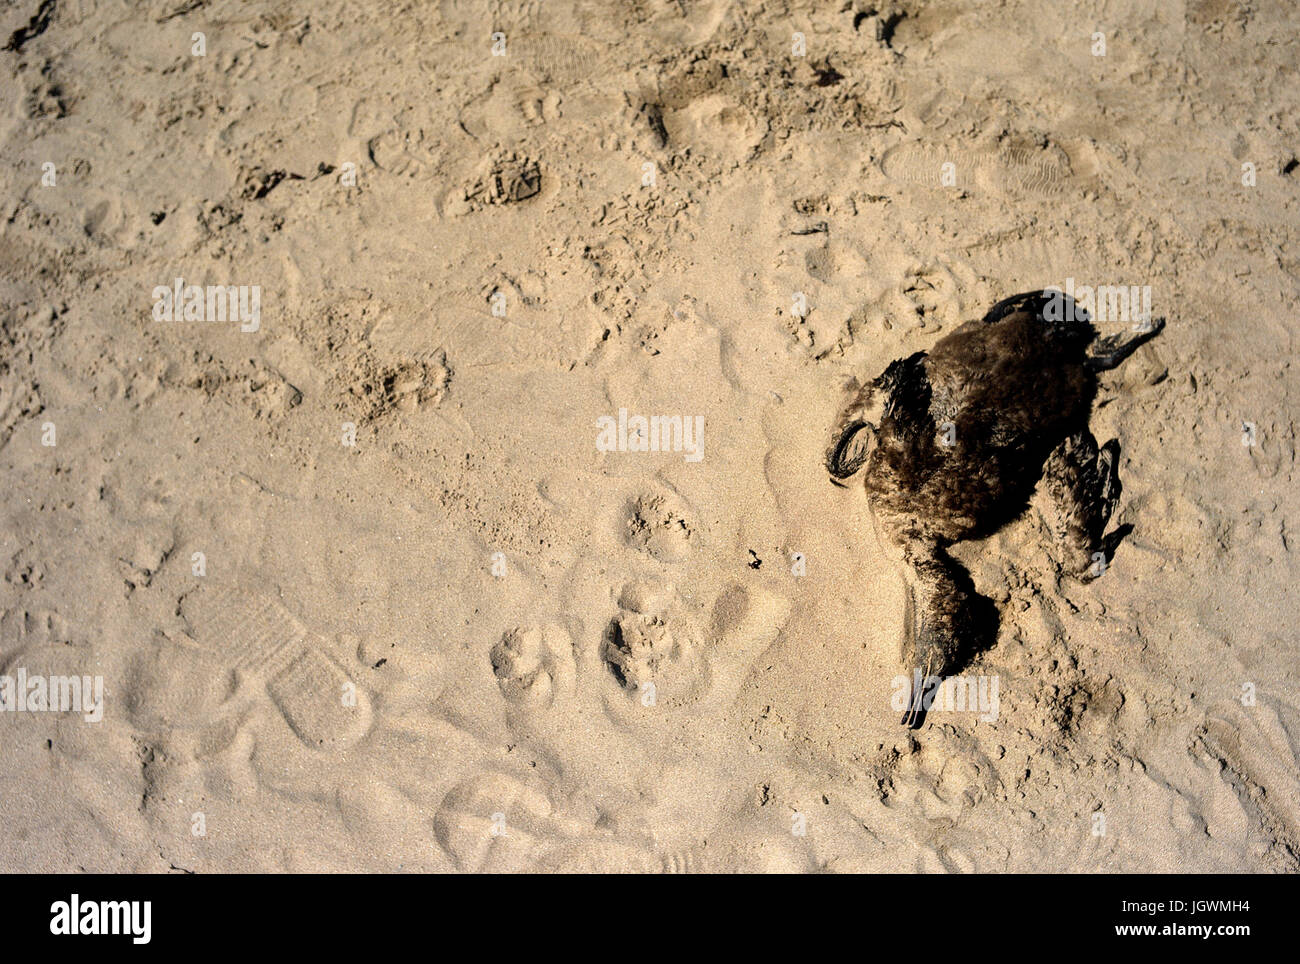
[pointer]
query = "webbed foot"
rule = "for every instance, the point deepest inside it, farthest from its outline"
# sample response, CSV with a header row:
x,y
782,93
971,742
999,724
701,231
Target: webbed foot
x,y
1107,353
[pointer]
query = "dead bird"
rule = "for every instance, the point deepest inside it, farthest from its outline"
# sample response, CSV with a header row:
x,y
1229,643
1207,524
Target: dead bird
x,y
951,444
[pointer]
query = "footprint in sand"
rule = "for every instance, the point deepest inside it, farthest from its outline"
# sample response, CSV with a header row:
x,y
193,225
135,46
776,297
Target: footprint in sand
x,y
405,153
559,59
930,292
23,629
493,822
508,110
404,678
1251,750
1271,448
663,651
170,687
1017,167
41,643
660,523
535,667
656,639
259,637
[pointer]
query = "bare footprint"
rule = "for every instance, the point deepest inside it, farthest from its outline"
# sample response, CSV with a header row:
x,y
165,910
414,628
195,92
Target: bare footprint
x,y
1253,752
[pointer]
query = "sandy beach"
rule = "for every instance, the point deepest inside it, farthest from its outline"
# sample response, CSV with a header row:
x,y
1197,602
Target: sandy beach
x,y
336,337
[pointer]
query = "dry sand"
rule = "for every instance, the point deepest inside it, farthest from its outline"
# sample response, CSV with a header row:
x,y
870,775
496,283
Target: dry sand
x,y
427,650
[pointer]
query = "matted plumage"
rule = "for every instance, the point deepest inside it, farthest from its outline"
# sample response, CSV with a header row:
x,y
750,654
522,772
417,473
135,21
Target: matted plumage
x,y
951,443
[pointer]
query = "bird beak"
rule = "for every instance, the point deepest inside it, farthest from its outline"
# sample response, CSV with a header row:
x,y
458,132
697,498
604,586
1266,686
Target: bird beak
x,y
914,718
